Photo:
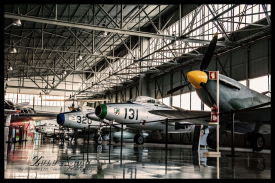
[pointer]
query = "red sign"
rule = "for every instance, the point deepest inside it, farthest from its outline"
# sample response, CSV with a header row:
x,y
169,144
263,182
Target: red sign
x,y
213,75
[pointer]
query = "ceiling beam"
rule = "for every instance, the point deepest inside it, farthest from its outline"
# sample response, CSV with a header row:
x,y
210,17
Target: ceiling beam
x,y
86,26
53,89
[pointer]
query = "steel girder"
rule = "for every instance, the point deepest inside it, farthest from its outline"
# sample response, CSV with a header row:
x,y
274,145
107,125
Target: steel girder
x,y
86,26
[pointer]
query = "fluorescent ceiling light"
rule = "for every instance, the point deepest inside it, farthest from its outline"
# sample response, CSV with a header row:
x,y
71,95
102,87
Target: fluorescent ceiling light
x,y
13,50
16,22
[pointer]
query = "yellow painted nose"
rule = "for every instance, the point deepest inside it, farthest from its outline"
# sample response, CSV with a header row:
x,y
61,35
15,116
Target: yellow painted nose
x,y
196,77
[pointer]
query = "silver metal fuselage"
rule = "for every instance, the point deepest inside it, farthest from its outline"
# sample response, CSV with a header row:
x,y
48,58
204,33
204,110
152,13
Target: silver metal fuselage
x,y
133,114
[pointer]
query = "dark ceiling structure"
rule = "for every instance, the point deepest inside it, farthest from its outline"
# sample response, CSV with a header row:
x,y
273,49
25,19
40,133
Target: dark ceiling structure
x,y
91,40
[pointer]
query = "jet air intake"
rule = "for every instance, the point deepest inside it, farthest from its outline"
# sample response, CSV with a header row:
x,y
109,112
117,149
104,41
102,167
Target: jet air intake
x,y
101,111
60,119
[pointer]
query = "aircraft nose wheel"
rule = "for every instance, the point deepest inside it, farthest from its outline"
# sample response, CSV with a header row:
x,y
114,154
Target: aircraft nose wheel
x,y
99,139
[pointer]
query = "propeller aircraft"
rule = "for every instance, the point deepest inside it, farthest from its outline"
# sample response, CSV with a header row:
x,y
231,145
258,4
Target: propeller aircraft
x,y
251,108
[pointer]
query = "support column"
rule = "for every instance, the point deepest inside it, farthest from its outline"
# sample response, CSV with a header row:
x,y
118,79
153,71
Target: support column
x,y
143,85
143,80
171,87
247,67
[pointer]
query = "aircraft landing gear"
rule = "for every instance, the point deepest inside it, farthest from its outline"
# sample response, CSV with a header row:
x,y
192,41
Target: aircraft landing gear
x,y
211,139
211,143
138,139
257,141
116,140
98,139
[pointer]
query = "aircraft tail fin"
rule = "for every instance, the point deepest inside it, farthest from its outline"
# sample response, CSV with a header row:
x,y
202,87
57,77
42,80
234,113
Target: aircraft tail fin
x,y
19,105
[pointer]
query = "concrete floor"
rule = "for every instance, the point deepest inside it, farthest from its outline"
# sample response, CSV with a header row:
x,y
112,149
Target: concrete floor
x,y
53,160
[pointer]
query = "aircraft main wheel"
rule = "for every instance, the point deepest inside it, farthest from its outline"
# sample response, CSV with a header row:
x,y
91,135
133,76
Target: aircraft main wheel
x,y
99,140
257,142
116,140
139,139
211,143
135,138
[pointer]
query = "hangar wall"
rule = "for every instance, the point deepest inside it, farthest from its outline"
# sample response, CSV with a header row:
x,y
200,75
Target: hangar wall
x,y
244,62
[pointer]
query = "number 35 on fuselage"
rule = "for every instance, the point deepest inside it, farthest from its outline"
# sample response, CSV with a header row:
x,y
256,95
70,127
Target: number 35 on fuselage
x,y
133,110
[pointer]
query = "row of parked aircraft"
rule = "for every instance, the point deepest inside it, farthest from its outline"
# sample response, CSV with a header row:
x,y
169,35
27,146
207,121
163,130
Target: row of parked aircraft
x,y
143,113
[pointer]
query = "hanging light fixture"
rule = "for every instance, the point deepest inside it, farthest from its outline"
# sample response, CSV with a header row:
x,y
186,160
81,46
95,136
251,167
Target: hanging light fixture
x,y
10,67
174,45
13,50
17,22
104,33
64,73
8,79
79,57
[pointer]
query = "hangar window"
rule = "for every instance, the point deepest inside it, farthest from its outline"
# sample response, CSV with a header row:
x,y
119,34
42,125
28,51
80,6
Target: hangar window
x,y
260,84
185,101
195,101
166,101
176,101
243,82
206,108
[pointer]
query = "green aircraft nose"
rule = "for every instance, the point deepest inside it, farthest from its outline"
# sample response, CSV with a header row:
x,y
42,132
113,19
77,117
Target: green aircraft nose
x,y
101,111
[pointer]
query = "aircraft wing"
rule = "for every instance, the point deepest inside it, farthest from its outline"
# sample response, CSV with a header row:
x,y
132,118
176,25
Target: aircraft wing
x,y
34,117
203,117
185,115
254,115
188,116
10,111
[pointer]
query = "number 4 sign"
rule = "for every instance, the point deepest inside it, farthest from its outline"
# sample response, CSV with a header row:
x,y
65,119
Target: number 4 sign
x,y
213,75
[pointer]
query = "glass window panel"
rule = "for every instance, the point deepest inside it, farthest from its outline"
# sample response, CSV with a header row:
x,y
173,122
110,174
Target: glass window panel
x,y
236,10
259,84
30,99
248,18
176,101
23,97
185,101
43,102
195,101
166,101
19,98
243,82
206,108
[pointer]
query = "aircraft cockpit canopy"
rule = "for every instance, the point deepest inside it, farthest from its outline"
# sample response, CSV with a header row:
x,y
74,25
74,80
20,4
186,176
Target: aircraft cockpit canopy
x,y
145,99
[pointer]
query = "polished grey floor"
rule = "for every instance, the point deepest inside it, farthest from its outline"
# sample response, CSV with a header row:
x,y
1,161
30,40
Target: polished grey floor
x,y
53,160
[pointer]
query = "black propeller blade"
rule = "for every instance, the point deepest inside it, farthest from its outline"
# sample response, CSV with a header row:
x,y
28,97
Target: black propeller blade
x,y
177,88
205,62
210,98
209,53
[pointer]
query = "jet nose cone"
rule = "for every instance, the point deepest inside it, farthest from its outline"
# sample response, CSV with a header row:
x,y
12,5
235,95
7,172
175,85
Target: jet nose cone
x,y
196,77
60,119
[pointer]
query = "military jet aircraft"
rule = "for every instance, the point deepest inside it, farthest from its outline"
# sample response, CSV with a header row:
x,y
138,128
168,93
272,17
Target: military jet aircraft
x,y
81,117
251,108
52,129
134,114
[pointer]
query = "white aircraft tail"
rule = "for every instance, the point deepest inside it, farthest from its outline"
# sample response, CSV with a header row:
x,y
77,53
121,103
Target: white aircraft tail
x,y
19,105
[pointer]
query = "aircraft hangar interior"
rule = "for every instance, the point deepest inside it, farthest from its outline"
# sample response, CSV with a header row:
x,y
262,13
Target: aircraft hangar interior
x,y
137,91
